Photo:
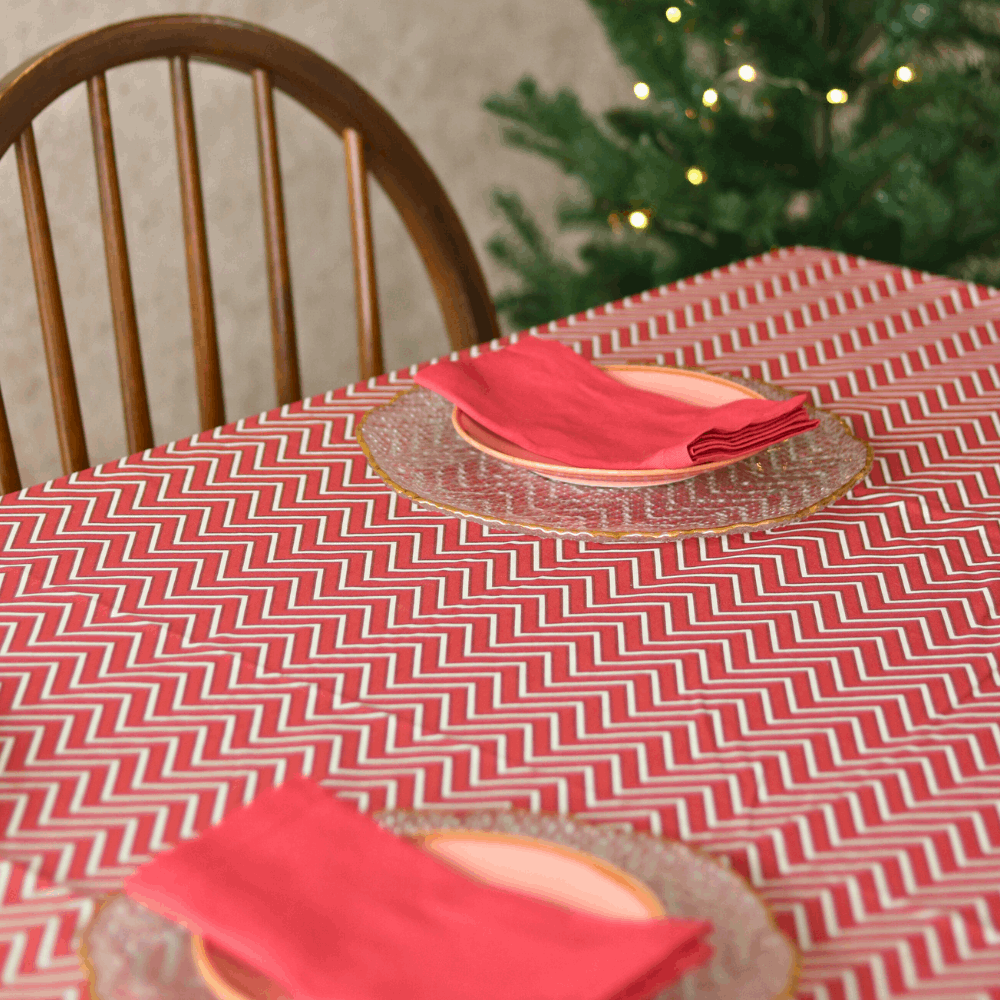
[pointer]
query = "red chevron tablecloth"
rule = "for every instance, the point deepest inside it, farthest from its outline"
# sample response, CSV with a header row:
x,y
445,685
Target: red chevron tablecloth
x,y
817,705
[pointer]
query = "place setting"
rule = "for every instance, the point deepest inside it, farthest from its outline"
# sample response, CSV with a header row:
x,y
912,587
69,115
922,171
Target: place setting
x,y
534,438
299,896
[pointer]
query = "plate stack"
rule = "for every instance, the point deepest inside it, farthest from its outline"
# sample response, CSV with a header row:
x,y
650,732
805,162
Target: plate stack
x,y
473,440
683,385
130,951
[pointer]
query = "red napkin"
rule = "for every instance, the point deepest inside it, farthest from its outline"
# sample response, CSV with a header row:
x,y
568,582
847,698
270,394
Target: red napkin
x,y
328,904
542,396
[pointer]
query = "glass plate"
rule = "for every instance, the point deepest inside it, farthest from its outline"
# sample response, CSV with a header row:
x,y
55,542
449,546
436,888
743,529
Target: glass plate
x,y
411,443
131,953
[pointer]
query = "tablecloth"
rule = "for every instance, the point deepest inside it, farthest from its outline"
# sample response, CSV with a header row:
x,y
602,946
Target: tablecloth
x,y
816,705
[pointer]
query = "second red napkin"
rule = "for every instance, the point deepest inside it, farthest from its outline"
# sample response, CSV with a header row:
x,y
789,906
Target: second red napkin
x,y
543,396
327,903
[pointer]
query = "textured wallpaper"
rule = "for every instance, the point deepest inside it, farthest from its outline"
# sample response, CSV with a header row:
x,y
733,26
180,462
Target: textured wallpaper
x,y
429,62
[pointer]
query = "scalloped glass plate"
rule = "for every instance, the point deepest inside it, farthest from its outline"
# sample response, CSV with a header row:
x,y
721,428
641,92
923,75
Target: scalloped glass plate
x,y
411,443
132,953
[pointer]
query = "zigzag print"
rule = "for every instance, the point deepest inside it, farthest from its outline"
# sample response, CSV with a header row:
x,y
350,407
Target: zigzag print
x,y
818,704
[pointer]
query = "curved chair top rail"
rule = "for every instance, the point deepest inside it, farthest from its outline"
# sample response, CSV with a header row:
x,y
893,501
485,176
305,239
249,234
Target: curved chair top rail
x,y
302,74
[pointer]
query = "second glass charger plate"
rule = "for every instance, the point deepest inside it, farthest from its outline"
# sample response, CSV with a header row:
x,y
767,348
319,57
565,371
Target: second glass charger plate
x,y
132,953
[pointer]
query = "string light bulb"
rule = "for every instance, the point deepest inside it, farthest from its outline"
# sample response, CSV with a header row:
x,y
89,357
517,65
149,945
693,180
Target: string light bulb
x,y
673,14
747,73
696,176
904,74
641,90
836,96
710,97
638,219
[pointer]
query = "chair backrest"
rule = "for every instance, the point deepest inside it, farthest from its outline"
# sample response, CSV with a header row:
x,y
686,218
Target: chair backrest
x,y
373,142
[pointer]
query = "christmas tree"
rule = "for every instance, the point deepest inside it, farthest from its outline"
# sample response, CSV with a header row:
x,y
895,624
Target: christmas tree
x,y
868,126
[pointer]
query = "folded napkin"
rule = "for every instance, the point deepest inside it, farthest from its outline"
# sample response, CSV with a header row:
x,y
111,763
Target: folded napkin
x,y
542,396
328,904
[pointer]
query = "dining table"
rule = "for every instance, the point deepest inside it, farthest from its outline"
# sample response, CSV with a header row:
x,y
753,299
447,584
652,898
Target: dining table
x,y
812,702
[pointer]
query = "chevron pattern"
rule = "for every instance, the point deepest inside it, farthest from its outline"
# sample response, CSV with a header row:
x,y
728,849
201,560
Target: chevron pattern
x,y
818,705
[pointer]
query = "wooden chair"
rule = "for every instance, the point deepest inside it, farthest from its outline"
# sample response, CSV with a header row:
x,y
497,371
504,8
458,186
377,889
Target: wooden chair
x,y
373,142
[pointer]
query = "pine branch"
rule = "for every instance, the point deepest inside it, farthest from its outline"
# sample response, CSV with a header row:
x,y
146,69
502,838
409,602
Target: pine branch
x,y
869,191
685,229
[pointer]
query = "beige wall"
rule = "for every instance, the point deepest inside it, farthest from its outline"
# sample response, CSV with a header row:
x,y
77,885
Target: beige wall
x,y
429,62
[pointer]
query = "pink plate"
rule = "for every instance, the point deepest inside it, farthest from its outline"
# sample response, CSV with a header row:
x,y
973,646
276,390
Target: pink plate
x,y
546,871
697,388
537,868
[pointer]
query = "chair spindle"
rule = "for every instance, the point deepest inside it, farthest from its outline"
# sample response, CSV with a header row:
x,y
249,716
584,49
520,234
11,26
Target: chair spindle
x,y
286,358
135,402
62,380
365,289
10,476
206,346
